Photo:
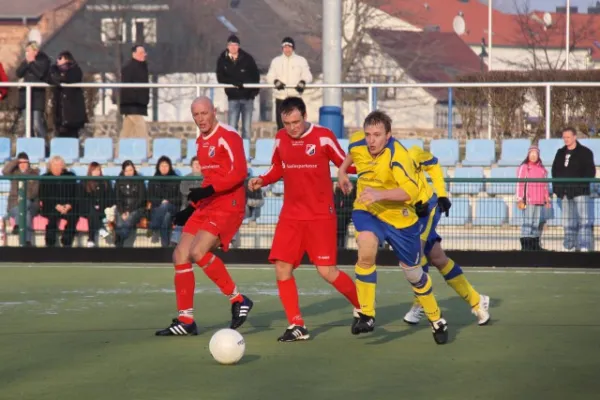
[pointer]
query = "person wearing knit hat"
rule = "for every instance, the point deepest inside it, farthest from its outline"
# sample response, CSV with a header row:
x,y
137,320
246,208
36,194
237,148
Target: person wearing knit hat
x,y
290,73
237,67
533,199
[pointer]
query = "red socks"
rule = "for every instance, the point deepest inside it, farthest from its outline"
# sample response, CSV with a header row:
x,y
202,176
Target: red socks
x,y
345,285
215,270
288,293
185,284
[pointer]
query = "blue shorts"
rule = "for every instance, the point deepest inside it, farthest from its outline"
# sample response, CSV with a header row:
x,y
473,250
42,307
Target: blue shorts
x,y
429,223
405,242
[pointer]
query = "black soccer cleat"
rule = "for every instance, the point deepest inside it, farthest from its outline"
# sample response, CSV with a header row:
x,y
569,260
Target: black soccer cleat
x,y
294,333
362,324
178,328
240,311
440,331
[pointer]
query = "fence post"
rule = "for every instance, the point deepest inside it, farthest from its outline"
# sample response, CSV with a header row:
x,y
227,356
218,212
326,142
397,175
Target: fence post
x,y
548,111
450,112
28,111
370,97
22,221
198,93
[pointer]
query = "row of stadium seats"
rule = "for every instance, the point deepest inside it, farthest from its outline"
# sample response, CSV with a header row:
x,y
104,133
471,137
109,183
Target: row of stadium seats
x,y
479,152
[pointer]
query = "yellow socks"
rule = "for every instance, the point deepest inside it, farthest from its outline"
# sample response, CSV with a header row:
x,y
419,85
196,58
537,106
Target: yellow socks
x,y
424,292
455,278
366,285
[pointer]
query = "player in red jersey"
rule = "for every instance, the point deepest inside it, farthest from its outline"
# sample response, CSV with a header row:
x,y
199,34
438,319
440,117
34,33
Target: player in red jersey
x,y
308,221
213,217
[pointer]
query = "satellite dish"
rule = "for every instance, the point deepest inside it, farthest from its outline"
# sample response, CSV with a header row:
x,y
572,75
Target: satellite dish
x,y
547,19
459,26
35,36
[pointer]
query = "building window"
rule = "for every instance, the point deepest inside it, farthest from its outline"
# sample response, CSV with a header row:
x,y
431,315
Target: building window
x,y
113,30
143,30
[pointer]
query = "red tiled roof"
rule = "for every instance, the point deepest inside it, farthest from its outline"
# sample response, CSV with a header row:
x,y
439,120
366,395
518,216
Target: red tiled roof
x,y
428,56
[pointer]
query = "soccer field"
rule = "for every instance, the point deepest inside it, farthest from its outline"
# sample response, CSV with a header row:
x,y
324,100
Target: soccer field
x,y
82,331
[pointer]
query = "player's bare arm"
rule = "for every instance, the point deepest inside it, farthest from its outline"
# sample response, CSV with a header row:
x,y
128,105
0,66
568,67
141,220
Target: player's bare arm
x,y
344,182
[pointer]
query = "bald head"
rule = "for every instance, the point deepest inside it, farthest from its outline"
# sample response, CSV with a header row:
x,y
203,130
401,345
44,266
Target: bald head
x,y
204,114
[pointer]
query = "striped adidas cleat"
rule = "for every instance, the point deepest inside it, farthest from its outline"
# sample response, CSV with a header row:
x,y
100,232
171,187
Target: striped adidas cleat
x,y
240,311
178,328
481,311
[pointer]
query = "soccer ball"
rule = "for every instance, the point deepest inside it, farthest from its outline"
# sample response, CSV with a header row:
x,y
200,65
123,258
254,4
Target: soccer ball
x,y
227,346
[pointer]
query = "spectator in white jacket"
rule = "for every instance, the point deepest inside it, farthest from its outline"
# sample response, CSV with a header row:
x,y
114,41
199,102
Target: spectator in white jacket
x,y
290,73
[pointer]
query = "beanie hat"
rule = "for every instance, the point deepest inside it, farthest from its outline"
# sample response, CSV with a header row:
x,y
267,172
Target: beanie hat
x,y
233,39
288,41
533,148
22,156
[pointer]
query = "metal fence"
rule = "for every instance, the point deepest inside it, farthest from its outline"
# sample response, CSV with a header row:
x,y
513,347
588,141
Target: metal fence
x,y
371,88
485,215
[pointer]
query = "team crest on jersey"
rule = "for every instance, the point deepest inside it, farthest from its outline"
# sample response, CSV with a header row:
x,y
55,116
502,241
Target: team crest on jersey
x,y
211,151
311,149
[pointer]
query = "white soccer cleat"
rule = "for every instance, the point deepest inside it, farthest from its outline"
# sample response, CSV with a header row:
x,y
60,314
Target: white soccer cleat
x,y
482,310
414,315
584,250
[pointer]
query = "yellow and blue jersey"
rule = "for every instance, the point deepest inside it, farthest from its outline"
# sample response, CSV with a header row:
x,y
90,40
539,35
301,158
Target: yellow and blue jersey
x,y
393,168
428,163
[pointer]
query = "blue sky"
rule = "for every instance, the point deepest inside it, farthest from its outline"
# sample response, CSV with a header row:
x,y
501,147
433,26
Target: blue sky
x,y
545,5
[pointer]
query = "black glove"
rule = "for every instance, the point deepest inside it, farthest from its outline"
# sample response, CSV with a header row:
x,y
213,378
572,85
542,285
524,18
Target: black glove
x,y
444,205
421,209
279,85
300,87
182,216
198,194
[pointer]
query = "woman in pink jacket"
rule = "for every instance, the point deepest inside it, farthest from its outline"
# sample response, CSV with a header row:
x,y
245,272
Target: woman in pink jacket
x,y
532,197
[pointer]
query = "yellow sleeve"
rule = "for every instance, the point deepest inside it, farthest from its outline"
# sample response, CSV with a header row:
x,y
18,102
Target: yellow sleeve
x,y
429,163
404,171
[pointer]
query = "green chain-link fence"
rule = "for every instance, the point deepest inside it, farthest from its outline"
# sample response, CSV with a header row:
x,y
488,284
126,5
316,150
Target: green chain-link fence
x,y
485,214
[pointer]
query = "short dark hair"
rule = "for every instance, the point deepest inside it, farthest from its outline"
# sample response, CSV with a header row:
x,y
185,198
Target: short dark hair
x,y
378,117
135,47
195,158
569,128
292,103
67,55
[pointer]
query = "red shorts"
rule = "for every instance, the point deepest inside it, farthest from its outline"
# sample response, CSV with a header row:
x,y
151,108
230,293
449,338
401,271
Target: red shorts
x,y
317,238
223,225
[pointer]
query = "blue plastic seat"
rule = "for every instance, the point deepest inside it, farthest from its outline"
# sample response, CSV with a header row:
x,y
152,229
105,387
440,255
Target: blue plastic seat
x,y
99,150
408,143
264,152
504,187
4,149
146,171
556,214
596,212
34,147
277,188
344,144
480,153
446,151
133,149
111,171
79,170
513,152
183,171
516,215
460,213
169,147
490,212
269,212
191,151
247,149
67,148
4,184
258,171
548,149
3,205
467,187
592,144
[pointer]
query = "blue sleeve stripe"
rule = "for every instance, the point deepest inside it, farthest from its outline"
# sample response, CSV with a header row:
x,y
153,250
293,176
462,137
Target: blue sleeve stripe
x,y
433,161
397,164
361,142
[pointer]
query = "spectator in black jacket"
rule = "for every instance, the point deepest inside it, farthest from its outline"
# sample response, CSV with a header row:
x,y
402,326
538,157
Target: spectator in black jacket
x,y
343,208
34,68
68,102
237,67
59,200
165,199
574,160
96,197
134,101
130,199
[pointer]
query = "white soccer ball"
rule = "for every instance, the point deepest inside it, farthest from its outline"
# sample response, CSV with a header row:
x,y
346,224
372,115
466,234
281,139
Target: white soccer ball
x,y
227,346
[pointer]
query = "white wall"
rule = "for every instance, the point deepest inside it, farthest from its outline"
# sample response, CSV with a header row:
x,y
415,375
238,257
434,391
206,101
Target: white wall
x,y
522,59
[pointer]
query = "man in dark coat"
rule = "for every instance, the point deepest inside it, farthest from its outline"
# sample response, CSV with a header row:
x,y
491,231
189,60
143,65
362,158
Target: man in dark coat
x,y
134,101
68,102
237,67
34,68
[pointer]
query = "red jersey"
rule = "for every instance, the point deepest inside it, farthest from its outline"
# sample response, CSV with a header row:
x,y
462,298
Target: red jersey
x,y
223,163
304,165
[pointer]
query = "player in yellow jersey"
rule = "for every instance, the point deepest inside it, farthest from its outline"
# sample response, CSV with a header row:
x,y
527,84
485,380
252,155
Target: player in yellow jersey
x,y
388,194
433,252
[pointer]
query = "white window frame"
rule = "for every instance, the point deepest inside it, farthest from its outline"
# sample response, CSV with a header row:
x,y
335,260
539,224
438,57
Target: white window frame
x,y
150,35
106,24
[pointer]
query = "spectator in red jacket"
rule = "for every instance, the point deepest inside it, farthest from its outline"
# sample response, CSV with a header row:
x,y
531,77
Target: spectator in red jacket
x,y
3,78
